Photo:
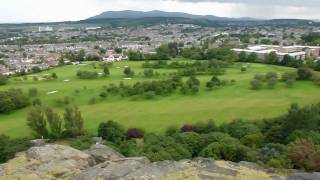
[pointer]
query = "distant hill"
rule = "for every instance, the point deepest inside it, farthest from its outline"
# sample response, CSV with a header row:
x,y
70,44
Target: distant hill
x,y
128,14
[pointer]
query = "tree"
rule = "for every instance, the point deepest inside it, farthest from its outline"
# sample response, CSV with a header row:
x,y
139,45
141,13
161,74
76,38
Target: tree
x,y
272,79
210,85
128,72
35,69
163,52
55,123
304,73
242,56
256,84
257,81
103,94
33,92
148,73
106,71
87,75
252,57
191,140
207,127
118,50
54,75
226,148
193,81
289,83
37,122
111,131
6,104
289,78
73,121
306,118
3,80
271,83
272,58
81,55
135,56
305,154
243,69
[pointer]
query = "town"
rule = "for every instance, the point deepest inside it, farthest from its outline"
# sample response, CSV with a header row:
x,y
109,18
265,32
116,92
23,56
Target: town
x,y
29,48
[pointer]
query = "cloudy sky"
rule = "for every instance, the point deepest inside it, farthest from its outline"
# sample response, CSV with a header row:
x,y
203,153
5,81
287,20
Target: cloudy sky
x,y
62,10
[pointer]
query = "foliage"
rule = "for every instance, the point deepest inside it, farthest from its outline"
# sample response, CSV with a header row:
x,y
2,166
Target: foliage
x,y
128,72
191,140
3,80
135,133
55,123
227,148
9,147
106,71
33,92
87,75
148,73
73,121
304,73
111,131
37,122
82,143
11,100
305,154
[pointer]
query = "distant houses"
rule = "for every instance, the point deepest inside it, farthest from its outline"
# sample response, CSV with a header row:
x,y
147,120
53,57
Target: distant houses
x,y
112,56
4,70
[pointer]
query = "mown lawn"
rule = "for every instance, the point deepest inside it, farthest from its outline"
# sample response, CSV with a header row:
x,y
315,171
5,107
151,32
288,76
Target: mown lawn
x,y
221,105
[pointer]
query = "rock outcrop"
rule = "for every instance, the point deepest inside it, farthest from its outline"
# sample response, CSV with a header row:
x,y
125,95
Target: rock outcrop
x,y
47,162
102,153
101,162
304,176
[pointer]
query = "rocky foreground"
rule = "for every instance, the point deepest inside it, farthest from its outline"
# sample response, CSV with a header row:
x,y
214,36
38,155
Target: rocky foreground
x,y
53,161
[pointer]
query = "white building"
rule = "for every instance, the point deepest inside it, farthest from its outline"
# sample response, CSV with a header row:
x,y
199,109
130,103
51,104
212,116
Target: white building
x,y
45,29
297,52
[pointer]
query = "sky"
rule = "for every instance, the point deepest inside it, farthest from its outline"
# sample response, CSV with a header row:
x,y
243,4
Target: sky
x,y
16,11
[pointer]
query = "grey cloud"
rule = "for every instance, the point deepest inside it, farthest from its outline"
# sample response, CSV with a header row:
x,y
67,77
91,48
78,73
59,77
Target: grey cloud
x,y
293,3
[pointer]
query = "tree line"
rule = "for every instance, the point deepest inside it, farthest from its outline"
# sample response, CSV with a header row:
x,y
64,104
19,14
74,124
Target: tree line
x,y
151,89
12,99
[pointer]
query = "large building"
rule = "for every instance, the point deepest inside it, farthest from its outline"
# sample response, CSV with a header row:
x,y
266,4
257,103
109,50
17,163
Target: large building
x,y
297,52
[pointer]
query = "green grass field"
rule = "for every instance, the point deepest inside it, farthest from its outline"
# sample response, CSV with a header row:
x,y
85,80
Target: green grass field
x,y
221,105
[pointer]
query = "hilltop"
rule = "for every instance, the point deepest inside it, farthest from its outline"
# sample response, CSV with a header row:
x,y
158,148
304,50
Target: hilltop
x,y
54,161
129,14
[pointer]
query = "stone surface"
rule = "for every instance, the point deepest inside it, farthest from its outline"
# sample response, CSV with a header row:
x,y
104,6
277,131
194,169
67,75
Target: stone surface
x,y
102,153
38,142
304,176
133,168
61,162
47,162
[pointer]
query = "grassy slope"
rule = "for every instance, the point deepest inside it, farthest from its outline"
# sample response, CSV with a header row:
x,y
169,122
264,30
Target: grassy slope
x,y
224,104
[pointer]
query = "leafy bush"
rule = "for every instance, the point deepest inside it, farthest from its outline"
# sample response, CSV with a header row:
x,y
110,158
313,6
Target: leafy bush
x,y
191,140
111,131
305,154
9,147
304,73
11,100
187,128
135,133
87,75
227,149
82,143
3,80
